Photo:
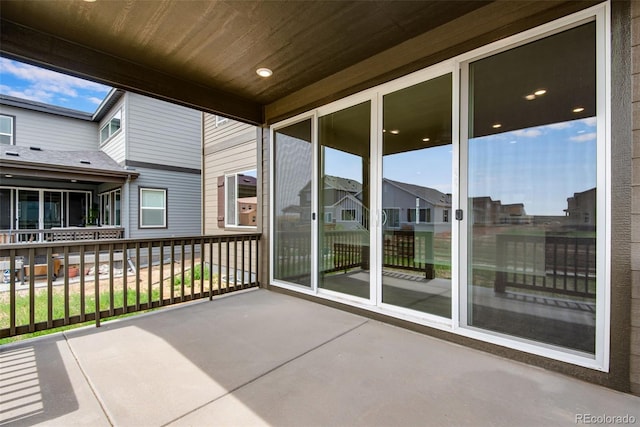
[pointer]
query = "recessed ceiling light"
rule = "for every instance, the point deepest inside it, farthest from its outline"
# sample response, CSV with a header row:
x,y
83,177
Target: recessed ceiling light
x,y
8,175
425,139
74,180
496,126
264,72
540,92
530,97
395,131
578,110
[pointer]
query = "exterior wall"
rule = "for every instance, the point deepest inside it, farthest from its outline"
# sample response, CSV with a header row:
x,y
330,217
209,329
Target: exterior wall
x,y
116,146
230,147
183,203
52,132
635,204
162,133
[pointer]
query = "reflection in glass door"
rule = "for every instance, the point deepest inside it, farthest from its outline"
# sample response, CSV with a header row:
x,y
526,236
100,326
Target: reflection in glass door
x,y
52,209
417,197
343,226
532,193
28,210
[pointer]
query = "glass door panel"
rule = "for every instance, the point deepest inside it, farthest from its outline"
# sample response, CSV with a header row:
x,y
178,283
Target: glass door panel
x,y
416,197
28,210
77,212
292,201
532,191
52,209
343,201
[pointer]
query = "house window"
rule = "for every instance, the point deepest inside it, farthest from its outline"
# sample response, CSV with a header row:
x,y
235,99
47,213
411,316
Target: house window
x,y
110,207
153,208
241,199
7,130
111,127
348,215
425,215
391,217
445,215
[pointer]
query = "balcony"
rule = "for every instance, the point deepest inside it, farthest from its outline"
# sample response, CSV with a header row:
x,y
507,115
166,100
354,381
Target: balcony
x,y
58,234
258,357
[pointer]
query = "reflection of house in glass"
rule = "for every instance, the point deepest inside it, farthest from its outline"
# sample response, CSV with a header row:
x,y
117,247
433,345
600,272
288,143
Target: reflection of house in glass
x,y
408,206
487,211
581,208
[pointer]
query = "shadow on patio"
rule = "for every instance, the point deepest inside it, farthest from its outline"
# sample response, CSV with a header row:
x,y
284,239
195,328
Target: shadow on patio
x,y
263,358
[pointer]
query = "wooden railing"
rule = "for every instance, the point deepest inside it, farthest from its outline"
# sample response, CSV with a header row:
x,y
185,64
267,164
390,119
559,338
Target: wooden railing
x,y
348,249
49,285
61,234
555,263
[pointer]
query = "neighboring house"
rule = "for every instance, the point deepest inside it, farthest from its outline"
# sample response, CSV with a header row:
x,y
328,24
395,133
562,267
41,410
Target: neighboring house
x,y
133,164
406,206
581,208
230,202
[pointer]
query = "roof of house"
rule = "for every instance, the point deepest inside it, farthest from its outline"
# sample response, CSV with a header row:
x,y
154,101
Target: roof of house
x,y
426,193
102,110
79,165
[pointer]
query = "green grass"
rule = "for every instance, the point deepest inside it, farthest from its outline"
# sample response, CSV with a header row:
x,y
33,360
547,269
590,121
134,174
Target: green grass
x,y
197,275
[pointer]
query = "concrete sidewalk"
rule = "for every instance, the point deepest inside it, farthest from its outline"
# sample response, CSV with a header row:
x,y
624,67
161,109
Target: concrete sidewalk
x,y
262,358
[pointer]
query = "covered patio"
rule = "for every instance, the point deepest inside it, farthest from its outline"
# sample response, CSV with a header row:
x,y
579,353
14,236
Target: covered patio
x,y
260,357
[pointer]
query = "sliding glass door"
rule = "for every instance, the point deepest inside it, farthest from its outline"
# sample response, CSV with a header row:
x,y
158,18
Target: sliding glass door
x,y
343,201
532,191
292,203
417,159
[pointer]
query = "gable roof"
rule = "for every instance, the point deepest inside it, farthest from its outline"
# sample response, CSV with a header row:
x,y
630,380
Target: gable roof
x,y
431,195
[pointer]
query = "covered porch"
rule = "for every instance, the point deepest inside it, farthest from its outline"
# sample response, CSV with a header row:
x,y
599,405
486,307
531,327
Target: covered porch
x,y
259,357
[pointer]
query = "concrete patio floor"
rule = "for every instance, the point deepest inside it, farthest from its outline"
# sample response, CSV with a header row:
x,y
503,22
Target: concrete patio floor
x,y
263,358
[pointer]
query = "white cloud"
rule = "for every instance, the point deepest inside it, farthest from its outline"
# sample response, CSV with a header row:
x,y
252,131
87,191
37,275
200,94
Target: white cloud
x,y
528,133
591,121
94,100
47,86
560,126
584,137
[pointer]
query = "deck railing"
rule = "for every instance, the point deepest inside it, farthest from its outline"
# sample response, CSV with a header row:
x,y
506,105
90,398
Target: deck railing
x,y
558,264
61,234
49,285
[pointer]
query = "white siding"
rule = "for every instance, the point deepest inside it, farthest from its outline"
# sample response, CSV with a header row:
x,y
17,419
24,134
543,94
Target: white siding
x,y
230,147
183,203
115,146
163,133
52,132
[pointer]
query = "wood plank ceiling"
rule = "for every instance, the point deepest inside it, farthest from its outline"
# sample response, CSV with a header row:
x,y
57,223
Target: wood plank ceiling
x,y
204,54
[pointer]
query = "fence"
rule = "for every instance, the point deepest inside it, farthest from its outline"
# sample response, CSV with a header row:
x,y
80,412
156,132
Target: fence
x,y
555,263
49,285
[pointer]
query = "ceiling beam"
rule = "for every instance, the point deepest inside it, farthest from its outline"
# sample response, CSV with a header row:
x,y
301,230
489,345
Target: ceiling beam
x,y
41,49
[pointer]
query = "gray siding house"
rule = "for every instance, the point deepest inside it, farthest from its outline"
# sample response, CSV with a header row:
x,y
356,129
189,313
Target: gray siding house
x,y
132,166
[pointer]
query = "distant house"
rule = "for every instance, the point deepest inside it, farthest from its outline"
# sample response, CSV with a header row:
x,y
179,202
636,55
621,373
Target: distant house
x,y
133,164
581,208
406,206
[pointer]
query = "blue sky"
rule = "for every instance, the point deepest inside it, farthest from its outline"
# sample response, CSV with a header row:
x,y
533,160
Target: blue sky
x,y
41,85
540,166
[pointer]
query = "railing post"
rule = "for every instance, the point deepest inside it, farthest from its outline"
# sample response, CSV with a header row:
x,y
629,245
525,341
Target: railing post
x,y
96,281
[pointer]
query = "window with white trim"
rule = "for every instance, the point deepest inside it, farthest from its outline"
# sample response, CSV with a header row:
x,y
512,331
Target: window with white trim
x,y
110,207
153,208
241,199
7,130
111,127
